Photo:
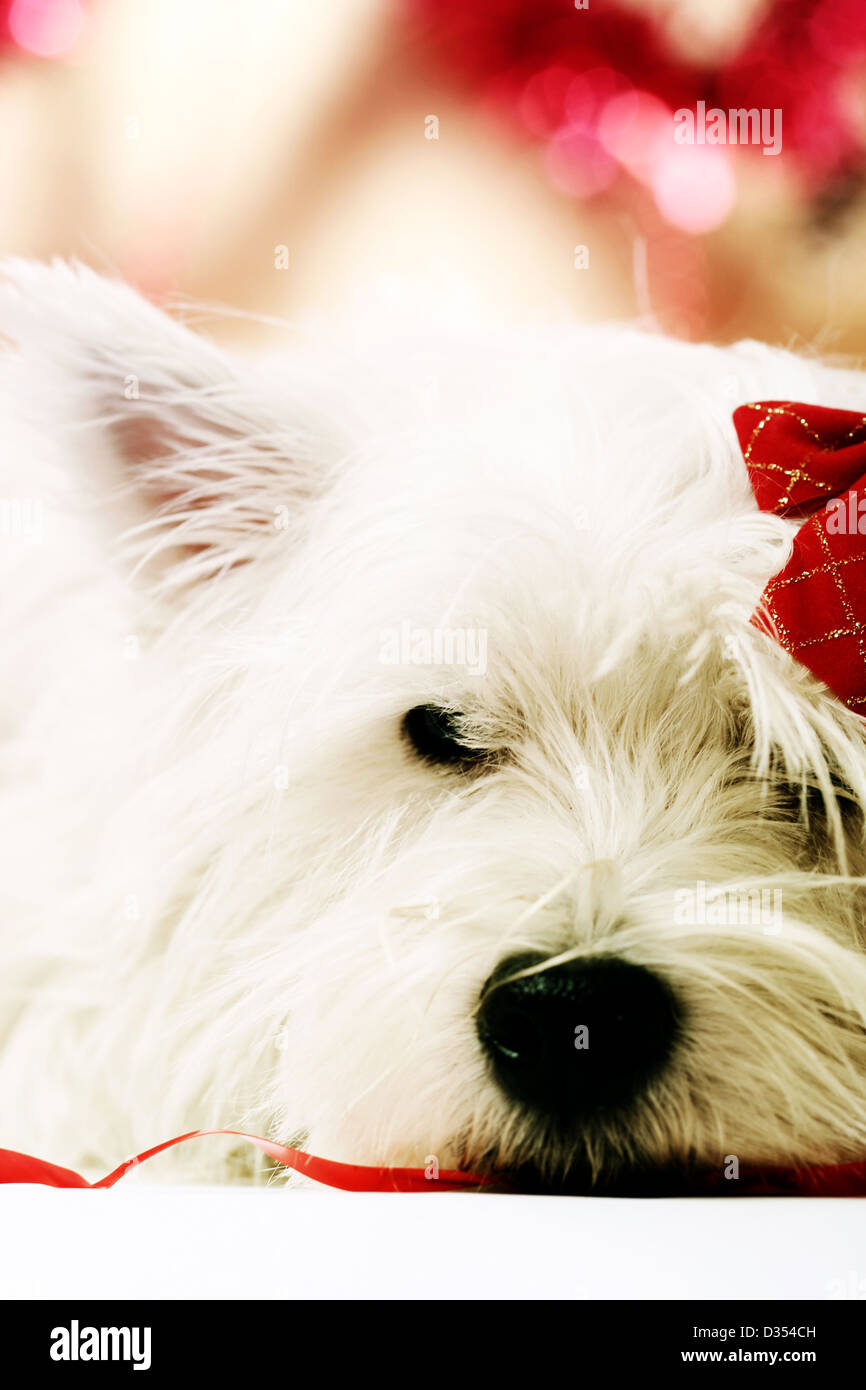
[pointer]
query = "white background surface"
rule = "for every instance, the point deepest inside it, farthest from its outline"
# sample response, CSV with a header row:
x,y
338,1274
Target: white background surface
x,y
198,1242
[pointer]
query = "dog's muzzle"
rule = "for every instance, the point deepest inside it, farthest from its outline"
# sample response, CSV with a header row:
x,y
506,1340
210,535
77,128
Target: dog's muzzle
x,y
575,1038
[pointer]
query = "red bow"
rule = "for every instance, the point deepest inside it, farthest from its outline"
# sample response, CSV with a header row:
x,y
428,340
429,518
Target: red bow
x,y
806,460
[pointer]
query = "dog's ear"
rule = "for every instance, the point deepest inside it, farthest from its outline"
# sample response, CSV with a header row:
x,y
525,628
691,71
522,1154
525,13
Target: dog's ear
x,y
220,459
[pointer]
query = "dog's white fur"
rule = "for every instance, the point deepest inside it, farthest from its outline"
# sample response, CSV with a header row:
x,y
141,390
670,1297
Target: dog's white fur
x,y
233,895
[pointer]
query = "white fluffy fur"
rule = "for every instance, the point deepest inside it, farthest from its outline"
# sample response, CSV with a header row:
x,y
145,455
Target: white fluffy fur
x,y
216,852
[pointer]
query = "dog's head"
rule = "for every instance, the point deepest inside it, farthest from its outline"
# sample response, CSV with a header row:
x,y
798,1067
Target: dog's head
x,y
508,840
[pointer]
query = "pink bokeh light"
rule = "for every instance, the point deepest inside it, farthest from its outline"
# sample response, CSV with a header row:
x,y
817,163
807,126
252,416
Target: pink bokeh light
x,y
47,28
693,187
635,128
577,164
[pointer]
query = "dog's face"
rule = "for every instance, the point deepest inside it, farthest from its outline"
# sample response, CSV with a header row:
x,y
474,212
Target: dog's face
x,y
526,962
513,844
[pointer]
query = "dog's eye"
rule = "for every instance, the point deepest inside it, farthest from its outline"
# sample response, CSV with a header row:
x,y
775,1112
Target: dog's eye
x,y
435,734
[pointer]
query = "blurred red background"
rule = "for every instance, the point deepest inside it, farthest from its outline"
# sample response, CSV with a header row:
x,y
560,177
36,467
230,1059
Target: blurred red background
x,y
506,159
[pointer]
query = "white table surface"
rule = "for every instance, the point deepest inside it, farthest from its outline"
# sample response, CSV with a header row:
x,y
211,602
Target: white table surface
x,y
204,1242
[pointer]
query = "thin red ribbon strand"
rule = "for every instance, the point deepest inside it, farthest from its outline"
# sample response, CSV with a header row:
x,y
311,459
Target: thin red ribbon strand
x,y
839,1180
350,1177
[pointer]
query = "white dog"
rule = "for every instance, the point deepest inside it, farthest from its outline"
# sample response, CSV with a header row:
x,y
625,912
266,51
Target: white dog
x,y
368,716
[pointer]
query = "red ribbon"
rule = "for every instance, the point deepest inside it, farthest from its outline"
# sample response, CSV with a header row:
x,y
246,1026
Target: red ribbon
x,y
810,461
841,1180
351,1177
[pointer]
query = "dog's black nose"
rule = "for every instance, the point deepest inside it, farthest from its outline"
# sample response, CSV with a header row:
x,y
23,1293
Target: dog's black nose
x,y
577,1037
